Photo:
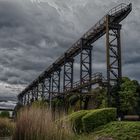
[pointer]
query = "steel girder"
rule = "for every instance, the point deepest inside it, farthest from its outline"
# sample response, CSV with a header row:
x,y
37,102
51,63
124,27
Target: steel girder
x,y
113,50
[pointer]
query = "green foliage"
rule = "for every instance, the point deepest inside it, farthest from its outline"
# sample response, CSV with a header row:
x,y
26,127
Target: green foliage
x,y
73,99
88,120
40,104
99,97
76,120
4,114
118,131
129,95
97,118
58,102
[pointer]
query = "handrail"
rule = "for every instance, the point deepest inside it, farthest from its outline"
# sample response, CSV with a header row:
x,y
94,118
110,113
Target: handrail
x,y
117,8
95,76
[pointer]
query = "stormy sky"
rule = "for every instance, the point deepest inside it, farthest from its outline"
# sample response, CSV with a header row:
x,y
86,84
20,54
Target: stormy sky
x,y
34,33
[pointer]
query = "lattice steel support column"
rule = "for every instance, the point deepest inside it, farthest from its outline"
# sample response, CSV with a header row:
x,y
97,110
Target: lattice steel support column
x,y
85,63
20,100
56,81
36,91
68,73
43,90
47,86
85,66
28,98
114,67
25,99
55,84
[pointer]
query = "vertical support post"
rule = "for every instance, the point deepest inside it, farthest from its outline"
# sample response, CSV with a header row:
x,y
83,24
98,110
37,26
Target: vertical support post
x,y
28,98
36,92
85,68
113,54
67,77
47,85
25,99
21,100
68,73
43,90
32,93
56,81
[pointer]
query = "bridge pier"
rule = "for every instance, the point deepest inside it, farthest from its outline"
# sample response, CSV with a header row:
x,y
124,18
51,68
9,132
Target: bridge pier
x,y
32,93
85,69
36,92
47,86
68,73
55,83
25,99
43,90
28,98
113,53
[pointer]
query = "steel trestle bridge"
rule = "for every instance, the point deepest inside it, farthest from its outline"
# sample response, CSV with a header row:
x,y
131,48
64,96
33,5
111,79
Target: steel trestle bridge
x,y
47,85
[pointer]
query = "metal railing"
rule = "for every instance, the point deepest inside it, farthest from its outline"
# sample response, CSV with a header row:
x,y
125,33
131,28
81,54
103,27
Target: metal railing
x,y
95,77
118,8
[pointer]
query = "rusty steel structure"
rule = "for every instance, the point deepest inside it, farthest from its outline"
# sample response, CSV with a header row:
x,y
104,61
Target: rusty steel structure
x,y
47,85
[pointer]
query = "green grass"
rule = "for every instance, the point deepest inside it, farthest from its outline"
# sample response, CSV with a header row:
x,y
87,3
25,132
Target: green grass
x,y
116,130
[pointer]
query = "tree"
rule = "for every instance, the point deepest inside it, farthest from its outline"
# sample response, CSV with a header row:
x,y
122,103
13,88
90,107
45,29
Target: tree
x,y
98,98
5,114
129,95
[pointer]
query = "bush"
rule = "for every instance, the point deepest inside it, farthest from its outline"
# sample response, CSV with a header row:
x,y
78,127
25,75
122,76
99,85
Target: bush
x,y
40,104
5,114
76,120
73,99
97,118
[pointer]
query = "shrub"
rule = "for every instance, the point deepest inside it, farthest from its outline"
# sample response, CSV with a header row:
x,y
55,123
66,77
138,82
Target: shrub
x,y
97,118
40,104
5,114
73,99
37,124
76,120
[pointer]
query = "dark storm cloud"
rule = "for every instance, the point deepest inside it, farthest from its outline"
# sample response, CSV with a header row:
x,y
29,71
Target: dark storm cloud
x,y
34,35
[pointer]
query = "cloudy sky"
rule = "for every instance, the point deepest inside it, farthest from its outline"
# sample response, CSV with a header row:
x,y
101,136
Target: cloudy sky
x,y
34,33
